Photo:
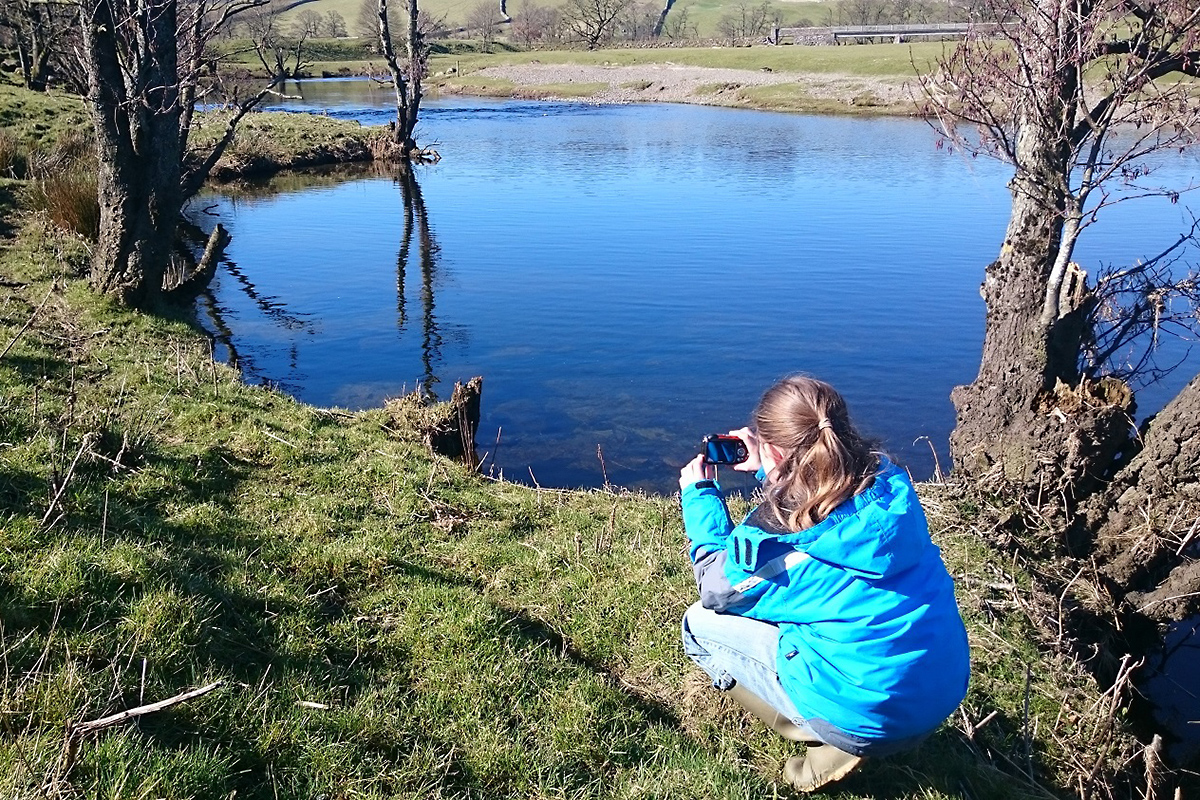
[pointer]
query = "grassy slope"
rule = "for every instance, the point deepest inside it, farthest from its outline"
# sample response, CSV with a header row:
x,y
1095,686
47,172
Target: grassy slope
x,y
900,61
705,14
458,636
882,61
37,119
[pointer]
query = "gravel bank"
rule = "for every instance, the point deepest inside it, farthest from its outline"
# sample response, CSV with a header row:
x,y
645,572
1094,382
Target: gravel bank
x,y
671,83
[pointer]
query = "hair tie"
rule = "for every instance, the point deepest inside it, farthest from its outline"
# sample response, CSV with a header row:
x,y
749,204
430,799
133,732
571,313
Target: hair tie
x,y
824,424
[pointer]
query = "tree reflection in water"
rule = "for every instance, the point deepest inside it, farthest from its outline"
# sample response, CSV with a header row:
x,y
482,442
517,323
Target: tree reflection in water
x,y
415,217
222,335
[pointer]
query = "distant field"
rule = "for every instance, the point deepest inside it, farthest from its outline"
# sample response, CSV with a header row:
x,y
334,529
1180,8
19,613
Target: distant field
x,y
704,14
878,60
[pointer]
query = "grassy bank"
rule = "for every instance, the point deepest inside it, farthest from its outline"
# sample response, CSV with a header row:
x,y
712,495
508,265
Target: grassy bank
x,y
827,79
381,622
41,133
876,61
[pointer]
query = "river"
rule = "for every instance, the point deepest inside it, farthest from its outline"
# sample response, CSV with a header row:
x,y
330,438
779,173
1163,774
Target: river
x,y
630,278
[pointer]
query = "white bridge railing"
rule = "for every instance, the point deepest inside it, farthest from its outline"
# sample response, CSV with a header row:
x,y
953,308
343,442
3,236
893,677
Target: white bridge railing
x,y
897,33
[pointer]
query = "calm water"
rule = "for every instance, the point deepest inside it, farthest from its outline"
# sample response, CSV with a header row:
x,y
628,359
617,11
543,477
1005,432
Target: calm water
x,y
630,278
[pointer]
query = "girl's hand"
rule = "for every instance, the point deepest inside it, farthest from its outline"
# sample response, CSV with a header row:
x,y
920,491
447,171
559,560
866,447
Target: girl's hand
x,y
754,462
695,471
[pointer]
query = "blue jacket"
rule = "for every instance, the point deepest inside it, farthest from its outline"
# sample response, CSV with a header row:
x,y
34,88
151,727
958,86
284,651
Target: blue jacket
x,y
871,642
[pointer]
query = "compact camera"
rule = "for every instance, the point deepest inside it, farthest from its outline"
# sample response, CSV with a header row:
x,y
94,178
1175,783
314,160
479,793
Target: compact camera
x,y
720,448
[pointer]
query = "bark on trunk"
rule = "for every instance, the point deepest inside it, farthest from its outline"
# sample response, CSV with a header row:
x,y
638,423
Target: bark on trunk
x,y
407,86
1028,419
1147,522
137,134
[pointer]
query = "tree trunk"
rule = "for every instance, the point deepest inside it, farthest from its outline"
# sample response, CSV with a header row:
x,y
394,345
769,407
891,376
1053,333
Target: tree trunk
x,y
1028,419
416,73
1147,522
407,87
137,136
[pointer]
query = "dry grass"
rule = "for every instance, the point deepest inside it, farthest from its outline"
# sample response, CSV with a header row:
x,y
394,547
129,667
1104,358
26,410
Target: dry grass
x,y
69,201
12,156
1040,648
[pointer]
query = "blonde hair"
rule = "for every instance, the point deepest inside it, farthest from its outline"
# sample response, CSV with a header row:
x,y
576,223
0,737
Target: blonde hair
x,y
826,461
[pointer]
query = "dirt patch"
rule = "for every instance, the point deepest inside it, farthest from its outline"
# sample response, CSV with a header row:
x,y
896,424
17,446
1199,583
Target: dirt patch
x,y
672,83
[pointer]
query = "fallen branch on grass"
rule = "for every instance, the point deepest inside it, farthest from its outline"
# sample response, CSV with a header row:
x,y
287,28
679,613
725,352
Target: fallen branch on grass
x,y
84,728
32,317
76,731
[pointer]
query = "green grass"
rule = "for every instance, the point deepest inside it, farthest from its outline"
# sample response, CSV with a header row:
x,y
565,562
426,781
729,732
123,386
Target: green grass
x,y
791,97
501,87
877,61
39,119
385,623
705,14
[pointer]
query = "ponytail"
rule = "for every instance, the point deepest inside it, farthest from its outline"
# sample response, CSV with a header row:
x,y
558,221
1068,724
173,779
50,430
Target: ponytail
x,y
826,460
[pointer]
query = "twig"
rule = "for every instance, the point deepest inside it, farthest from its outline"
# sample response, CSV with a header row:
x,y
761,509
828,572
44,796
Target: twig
x,y
84,445
603,471
278,439
1025,723
1188,538
1167,600
938,475
84,728
32,316
75,733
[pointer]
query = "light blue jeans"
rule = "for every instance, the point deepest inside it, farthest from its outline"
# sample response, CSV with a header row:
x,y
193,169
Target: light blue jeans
x,y
733,649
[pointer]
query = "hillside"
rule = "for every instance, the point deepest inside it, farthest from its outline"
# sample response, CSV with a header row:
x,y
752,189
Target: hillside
x,y
702,16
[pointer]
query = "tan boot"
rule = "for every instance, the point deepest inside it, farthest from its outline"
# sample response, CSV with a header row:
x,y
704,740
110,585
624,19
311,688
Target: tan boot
x,y
767,713
821,765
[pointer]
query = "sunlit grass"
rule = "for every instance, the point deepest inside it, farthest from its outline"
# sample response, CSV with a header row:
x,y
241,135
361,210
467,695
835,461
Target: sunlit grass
x,y
878,60
704,15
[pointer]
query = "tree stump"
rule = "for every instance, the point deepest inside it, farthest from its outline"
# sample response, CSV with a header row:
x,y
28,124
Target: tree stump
x,y
455,437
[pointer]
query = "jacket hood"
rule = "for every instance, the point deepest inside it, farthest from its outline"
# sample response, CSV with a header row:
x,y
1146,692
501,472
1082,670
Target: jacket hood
x,y
878,533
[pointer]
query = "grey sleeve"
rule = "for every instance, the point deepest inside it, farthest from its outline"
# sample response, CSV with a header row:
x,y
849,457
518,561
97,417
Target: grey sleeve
x,y
716,593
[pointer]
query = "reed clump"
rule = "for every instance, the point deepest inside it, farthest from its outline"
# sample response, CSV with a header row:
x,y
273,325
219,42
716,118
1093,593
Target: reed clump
x,y
69,201
13,161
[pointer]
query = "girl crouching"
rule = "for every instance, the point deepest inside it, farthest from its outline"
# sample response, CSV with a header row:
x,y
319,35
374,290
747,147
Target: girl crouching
x,y
827,612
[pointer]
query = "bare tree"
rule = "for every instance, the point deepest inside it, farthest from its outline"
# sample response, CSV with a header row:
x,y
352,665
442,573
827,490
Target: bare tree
x,y
335,25
1075,94
532,23
38,35
863,12
280,51
592,21
746,21
308,23
484,21
406,80
366,22
639,21
144,59
676,22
